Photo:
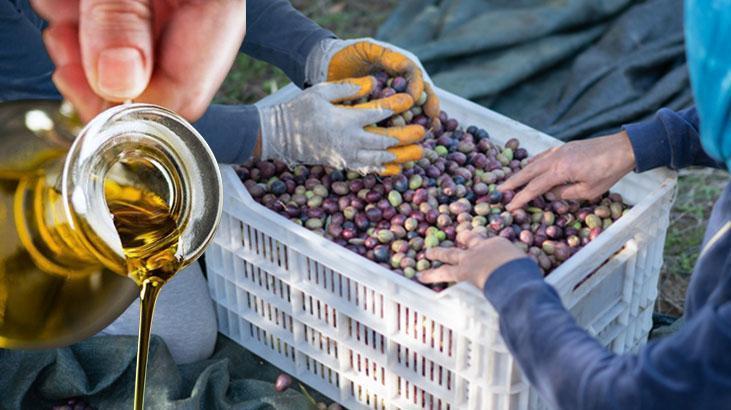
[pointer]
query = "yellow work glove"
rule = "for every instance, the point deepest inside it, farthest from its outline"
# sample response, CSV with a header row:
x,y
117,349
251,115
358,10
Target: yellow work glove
x,y
334,59
313,128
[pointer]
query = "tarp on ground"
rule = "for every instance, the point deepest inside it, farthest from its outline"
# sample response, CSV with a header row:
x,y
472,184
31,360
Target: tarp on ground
x,y
570,68
101,370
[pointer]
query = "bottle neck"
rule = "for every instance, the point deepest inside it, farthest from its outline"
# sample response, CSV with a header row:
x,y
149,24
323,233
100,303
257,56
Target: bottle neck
x,y
158,178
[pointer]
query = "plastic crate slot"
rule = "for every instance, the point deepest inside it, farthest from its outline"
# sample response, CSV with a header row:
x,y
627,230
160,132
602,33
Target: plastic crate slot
x,y
271,343
413,395
420,328
425,368
269,312
320,311
320,342
364,397
265,280
367,337
325,373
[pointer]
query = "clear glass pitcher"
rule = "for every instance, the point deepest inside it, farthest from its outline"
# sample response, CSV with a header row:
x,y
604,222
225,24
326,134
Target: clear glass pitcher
x,y
63,270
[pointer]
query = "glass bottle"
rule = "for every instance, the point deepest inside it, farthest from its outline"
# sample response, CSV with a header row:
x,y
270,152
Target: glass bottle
x,y
65,261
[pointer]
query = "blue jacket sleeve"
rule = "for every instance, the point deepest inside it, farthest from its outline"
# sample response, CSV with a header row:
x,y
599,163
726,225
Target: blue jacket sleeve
x,y
25,68
280,35
231,131
571,370
670,139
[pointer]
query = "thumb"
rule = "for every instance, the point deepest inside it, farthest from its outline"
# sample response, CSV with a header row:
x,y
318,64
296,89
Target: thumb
x,y
116,46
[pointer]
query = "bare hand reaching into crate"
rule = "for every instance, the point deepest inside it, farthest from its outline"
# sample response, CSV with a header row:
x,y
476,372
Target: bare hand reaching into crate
x,y
478,259
577,170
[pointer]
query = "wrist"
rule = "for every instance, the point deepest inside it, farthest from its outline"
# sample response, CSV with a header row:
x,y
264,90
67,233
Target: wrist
x,y
317,59
625,152
269,139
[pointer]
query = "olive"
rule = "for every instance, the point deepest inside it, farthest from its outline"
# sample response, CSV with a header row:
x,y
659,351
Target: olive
x,y
381,253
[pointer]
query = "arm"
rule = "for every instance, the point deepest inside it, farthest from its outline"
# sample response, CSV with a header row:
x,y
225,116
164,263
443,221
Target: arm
x,y
282,36
231,131
670,139
573,371
588,168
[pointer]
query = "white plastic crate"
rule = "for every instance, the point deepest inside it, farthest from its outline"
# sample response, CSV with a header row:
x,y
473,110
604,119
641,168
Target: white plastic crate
x,y
368,338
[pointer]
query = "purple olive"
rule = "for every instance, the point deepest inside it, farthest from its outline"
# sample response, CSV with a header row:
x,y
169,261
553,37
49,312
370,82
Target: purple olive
x,y
357,203
398,231
372,197
603,212
507,233
420,196
361,220
407,262
458,157
356,185
431,216
399,84
381,253
370,242
526,237
520,216
495,197
562,252
561,207
330,205
421,119
554,232
335,230
443,220
405,209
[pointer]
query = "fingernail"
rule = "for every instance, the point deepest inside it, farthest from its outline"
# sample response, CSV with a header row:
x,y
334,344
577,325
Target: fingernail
x,y
121,73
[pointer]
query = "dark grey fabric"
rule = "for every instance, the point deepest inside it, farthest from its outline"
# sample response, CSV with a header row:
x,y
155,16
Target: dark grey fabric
x,y
101,370
571,68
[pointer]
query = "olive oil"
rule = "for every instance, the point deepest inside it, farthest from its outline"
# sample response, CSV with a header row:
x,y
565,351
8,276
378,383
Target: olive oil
x,y
92,218
149,235
49,279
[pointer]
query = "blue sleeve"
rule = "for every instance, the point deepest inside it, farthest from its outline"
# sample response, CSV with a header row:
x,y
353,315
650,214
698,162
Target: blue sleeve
x,y
25,68
571,370
670,139
280,35
231,131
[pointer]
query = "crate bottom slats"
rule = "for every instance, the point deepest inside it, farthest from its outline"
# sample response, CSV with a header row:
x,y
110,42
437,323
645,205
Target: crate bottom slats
x,y
370,339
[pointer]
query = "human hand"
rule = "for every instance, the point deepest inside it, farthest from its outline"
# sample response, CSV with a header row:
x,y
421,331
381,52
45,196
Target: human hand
x,y
312,129
334,59
478,259
576,170
173,54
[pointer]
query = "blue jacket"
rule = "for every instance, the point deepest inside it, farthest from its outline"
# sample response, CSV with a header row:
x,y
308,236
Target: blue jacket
x,y
690,369
276,33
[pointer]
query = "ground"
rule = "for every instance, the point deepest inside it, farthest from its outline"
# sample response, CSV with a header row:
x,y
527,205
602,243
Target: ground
x,y
698,189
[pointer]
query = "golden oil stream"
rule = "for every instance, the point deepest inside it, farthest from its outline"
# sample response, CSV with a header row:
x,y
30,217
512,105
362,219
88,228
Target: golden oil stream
x,y
149,235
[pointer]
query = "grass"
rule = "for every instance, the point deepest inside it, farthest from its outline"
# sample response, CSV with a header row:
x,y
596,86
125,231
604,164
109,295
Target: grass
x,y
251,80
698,189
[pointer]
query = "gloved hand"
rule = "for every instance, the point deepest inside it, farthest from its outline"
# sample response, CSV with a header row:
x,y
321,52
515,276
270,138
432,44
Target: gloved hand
x,y
310,129
334,59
